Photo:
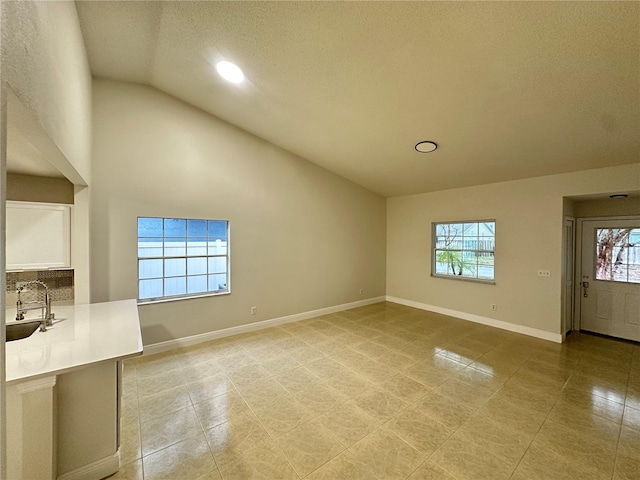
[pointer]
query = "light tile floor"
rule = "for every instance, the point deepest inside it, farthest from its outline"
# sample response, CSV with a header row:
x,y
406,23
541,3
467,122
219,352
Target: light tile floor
x,y
384,391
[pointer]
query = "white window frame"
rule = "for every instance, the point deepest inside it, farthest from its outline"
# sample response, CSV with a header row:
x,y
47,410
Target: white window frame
x,y
163,257
451,276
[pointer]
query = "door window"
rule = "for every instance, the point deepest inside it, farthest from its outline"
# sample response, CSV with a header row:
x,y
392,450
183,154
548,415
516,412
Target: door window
x,y
618,254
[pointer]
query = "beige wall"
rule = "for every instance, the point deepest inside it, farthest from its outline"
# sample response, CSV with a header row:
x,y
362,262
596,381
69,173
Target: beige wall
x,y
529,237
27,188
568,207
607,207
45,64
302,238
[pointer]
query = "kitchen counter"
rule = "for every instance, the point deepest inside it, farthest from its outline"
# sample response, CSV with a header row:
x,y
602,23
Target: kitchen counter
x,y
63,391
81,335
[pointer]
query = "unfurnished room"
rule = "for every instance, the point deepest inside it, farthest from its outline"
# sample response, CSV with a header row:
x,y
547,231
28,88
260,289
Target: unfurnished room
x,y
320,240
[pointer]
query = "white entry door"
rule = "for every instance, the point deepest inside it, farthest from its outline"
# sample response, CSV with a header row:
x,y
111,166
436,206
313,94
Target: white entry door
x,y
611,278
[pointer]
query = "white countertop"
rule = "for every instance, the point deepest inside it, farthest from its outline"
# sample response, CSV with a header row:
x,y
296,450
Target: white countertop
x,y
81,335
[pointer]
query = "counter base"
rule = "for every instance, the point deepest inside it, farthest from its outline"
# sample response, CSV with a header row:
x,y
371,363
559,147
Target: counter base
x,y
99,469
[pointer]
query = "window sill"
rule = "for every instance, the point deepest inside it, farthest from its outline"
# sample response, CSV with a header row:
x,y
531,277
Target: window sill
x,y
186,297
464,279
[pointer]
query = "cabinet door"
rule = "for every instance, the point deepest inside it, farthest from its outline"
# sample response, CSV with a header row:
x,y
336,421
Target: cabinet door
x,y
38,236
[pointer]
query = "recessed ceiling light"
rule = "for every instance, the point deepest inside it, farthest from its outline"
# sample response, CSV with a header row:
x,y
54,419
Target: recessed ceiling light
x,y
230,71
618,195
426,146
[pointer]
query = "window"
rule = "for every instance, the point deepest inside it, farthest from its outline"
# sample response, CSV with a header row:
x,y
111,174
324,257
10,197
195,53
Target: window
x,y
180,258
464,250
618,254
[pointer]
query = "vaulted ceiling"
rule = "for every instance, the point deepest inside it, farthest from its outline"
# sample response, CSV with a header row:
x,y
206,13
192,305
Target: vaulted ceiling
x,y
508,90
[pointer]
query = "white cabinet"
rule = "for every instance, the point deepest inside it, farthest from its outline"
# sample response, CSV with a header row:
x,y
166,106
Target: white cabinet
x,y
38,236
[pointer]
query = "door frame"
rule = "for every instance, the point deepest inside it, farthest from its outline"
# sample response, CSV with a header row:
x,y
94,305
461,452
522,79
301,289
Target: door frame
x,y
577,281
571,254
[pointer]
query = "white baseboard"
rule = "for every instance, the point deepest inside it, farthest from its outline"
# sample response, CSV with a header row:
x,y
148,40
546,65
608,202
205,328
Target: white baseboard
x,y
492,322
96,470
250,327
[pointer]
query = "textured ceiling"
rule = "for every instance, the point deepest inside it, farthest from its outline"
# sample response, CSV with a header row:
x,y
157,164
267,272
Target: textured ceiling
x,y
507,89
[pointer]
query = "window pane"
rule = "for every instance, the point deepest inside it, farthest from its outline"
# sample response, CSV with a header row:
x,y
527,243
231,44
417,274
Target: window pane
x,y
177,257
175,286
196,228
450,262
150,268
454,243
217,230
615,255
469,272
217,264
197,266
464,249
442,268
620,273
619,255
442,229
217,282
487,243
486,272
175,227
196,246
634,262
603,270
604,236
149,247
149,227
485,258
197,284
469,264
455,230
150,288
441,241
217,247
470,229
175,267
175,247
487,229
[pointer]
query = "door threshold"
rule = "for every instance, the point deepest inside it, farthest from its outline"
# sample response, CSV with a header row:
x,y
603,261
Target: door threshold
x,y
602,335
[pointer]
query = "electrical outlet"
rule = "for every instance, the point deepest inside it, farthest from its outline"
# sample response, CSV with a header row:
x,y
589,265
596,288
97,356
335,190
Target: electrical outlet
x,y
361,291
494,307
544,273
254,310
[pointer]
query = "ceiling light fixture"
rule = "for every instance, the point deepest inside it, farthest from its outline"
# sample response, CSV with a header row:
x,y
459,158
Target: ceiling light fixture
x,y
426,146
618,195
230,71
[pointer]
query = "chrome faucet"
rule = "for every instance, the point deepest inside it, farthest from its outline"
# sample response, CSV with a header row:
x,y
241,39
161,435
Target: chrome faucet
x,y
46,315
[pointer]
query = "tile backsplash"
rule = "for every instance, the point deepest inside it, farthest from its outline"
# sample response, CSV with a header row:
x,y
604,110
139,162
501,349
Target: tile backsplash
x,y
59,282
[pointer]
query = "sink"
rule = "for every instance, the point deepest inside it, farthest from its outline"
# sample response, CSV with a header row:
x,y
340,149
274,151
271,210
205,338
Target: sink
x,y
18,331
